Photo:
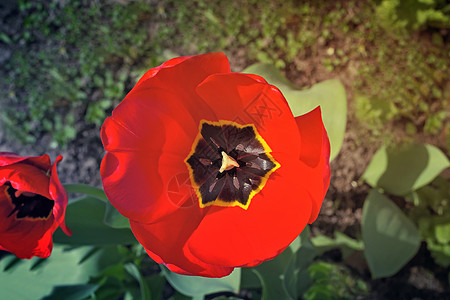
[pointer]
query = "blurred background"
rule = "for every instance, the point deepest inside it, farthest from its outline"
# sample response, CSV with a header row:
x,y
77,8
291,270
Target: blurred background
x,y
64,66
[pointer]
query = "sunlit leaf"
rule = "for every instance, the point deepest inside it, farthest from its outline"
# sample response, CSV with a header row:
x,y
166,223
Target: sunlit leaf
x,y
196,286
390,238
62,268
72,292
85,219
329,94
402,170
442,232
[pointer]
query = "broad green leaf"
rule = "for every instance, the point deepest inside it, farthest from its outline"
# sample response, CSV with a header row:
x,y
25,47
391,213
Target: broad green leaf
x,y
390,238
133,271
61,268
196,286
72,292
402,170
156,285
296,279
114,219
249,280
329,94
272,275
89,190
85,219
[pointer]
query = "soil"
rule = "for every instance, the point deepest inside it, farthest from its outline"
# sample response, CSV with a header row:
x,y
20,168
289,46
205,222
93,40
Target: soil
x,y
342,207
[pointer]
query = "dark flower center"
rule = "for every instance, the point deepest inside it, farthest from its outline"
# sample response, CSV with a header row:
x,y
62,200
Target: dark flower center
x,y
229,163
27,204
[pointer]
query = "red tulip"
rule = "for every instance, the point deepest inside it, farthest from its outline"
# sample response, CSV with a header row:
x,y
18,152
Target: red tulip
x,y
211,167
32,204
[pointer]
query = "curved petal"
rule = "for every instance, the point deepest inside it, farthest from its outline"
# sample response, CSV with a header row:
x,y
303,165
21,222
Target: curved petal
x,y
165,243
149,120
150,134
146,178
42,162
181,76
142,167
315,156
177,60
59,195
24,237
248,99
233,236
26,177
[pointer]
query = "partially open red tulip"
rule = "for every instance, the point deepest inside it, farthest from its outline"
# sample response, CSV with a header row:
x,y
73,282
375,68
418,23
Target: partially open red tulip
x,y
211,167
32,204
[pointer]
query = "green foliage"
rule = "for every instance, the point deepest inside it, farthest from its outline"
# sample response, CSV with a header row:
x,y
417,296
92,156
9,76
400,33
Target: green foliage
x,y
431,212
80,67
53,272
390,238
414,14
195,286
344,243
409,171
84,217
331,281
402,170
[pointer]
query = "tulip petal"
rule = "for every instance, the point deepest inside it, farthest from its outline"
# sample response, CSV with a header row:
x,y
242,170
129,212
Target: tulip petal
x,y
237,237
146,178
315,156
156,124
59,195
24,177
25,238
249,99
167,240
42,162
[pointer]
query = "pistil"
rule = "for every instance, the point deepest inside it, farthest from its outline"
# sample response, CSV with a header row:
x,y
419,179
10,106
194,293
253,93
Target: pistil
x,y
228,163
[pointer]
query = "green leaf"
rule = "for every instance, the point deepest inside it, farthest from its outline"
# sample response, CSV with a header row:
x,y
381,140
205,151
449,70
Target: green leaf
x,y
72,292
61,268
400,171
329,94
440,253
296,279
272,275
442,232
390,238
114,219
85,219
196,286
85,189
133,271
341,241
156,285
